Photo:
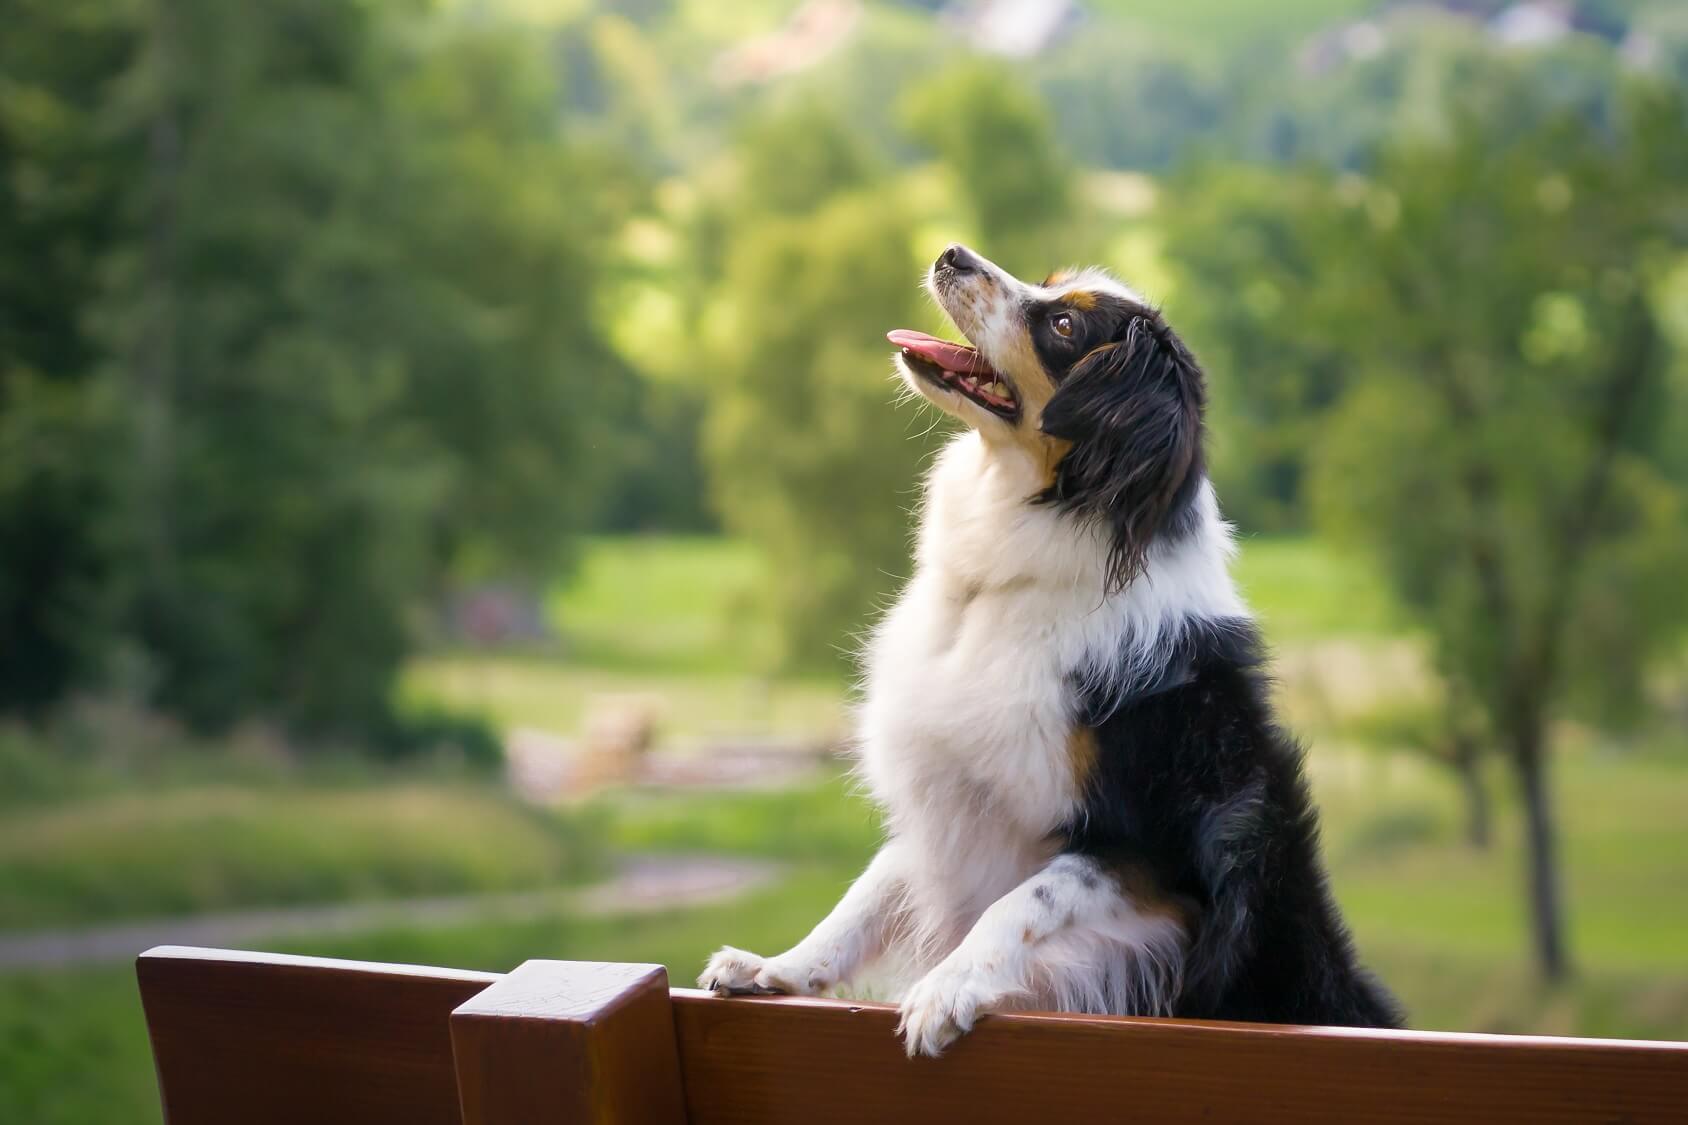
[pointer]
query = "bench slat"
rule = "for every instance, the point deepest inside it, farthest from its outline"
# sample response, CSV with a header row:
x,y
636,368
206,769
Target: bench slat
x,y
819,1062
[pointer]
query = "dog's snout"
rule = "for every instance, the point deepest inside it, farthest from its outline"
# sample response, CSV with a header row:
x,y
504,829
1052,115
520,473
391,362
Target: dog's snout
x,y
959,259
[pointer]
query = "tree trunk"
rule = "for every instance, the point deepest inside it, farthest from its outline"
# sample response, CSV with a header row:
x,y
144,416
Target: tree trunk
x,y
1547,915
1469,765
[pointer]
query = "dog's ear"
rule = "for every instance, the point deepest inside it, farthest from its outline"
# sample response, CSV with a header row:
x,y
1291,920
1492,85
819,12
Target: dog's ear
x,y
1132,413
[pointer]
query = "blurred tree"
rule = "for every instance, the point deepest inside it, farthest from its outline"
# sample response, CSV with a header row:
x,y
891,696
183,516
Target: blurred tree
x,y
997,139
319,290
1502,451
657,484
792,160
62,181
1122,101
807,455
1249,295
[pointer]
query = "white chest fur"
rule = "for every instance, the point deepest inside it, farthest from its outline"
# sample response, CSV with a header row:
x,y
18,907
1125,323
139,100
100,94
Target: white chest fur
x,y
965,726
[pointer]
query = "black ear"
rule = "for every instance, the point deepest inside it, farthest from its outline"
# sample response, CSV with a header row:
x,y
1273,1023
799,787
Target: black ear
x,y
1132,410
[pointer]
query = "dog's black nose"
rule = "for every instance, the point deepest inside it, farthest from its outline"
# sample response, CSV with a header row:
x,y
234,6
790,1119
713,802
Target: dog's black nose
x,y
960,259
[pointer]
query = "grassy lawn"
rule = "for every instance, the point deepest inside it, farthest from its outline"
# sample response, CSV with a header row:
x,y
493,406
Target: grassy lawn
x,y
530,691
199,849
661,605
663,618
1304,590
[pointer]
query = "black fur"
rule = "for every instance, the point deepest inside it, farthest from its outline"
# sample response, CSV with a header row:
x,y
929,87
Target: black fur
x,y
1132,409
1193,778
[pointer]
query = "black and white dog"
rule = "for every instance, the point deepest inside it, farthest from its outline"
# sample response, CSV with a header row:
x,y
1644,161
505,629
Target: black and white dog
x,y
1066,718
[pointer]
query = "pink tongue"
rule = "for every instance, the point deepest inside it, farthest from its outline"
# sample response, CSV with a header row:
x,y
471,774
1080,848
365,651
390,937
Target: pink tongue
x,y
951,357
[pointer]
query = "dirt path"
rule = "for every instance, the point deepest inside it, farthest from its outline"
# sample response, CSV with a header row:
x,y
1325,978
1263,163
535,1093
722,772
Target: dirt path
x,y
644,884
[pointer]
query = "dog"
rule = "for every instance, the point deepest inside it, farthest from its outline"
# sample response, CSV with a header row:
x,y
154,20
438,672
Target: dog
x,y
1065,718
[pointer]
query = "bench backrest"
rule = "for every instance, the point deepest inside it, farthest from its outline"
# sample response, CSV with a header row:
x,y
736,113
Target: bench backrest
x,y
264,1039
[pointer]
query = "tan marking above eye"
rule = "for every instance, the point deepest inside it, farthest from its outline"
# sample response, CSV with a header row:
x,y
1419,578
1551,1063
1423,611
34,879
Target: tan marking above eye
x,y
1081,299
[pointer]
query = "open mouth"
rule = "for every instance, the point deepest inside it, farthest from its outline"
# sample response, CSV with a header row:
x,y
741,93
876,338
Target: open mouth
x,y
958,368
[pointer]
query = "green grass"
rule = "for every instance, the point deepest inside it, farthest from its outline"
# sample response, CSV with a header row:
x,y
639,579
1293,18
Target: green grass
x,y
74,1050
208,848
661,605
1303,590
827,823
661,618
1421,888
557,696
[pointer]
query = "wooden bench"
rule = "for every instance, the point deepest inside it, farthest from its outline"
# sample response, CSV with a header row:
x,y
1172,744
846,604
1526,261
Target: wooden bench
x,y
256,1038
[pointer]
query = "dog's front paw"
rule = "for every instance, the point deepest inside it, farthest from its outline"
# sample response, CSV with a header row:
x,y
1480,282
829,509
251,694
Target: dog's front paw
x,y
942,1007
736,972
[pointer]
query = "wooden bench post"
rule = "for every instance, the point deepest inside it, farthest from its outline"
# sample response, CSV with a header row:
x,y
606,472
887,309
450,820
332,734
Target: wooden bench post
x,y
560,1042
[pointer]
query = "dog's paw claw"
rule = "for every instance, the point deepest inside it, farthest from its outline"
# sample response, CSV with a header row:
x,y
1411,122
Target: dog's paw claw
x,y
941,1008
735,972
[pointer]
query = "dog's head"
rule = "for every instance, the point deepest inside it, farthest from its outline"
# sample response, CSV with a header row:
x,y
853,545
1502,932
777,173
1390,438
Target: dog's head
x,y
1084,375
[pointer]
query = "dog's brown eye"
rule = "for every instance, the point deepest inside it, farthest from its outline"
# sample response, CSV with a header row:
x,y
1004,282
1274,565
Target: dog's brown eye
x,y
1063,325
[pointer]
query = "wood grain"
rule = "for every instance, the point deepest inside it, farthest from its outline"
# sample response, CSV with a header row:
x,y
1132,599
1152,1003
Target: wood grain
x,y
752,1061
569,1041
264,1039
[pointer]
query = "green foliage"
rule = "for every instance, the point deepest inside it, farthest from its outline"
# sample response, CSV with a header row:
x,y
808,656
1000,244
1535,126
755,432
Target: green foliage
x,y
815,250
807,456
327,345
1250,296
1135,104
61,192
793,160
998,141
57,506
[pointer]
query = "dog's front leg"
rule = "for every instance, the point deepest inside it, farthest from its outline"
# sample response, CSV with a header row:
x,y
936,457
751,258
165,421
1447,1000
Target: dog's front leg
x,y
1062,933
847,939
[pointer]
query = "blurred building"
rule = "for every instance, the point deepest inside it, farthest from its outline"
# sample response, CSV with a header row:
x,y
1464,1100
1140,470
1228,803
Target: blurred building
x,y
1013,28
